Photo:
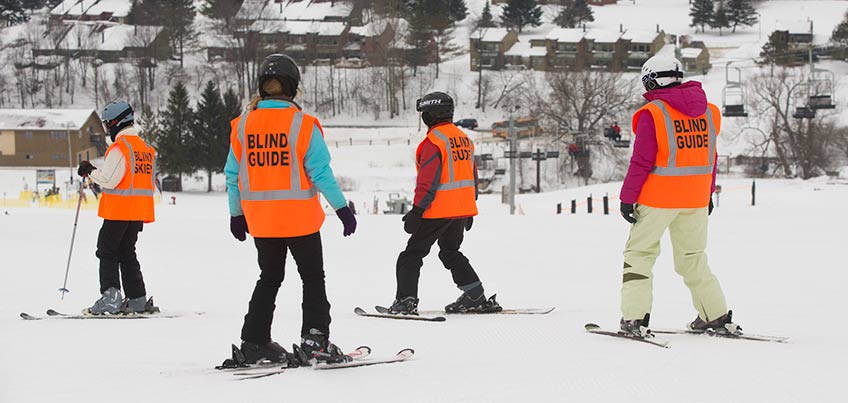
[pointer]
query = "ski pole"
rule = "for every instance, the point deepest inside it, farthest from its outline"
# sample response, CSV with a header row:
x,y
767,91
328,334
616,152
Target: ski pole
x,y
64,288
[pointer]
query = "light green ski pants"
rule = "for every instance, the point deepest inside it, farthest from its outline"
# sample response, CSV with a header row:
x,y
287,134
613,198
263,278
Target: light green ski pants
x,y
688,230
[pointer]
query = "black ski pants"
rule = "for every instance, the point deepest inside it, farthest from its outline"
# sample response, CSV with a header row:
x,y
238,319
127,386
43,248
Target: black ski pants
x,y
308,256
449,234
116,251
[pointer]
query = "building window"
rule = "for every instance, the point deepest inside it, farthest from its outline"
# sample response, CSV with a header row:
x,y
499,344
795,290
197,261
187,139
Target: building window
x,y
29,156
640,47
28,135
58,135
57,156
567,47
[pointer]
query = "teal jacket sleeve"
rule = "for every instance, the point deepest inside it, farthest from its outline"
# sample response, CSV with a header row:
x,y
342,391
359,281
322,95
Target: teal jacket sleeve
x,y
231,170
317,164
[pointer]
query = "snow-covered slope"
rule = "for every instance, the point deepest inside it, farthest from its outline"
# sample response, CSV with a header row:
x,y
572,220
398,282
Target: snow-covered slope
x,y
779,264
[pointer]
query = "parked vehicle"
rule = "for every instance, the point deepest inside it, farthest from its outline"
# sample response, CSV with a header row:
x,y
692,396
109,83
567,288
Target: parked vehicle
x,y
467,123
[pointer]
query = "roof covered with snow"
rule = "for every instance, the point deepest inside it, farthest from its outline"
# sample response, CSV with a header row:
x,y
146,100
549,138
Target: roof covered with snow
x,y
118,8
639,36
566,35
690,53
603,35
524,49
322,28
490,34
43,119
303,10
72,7
108,37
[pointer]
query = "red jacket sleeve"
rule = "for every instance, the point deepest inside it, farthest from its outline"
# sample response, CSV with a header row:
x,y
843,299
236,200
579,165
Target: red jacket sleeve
x,y
643,160
429,171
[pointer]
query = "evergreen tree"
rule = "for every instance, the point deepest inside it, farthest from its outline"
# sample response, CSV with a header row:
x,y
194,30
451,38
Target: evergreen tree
x,y
775,49
486,20
232,104
840,33
173,139
419,37
520,13
221,9
176,15
720,18
574,13
210,131
701,13
741,12
12,11
457,10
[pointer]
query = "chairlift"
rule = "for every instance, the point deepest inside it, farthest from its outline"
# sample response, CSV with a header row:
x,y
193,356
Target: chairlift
x,y
804,112
821,89
733,94
623,143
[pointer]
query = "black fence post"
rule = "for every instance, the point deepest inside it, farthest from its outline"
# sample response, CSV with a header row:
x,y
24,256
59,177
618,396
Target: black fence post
x,y
606,204
351,140
589,204
754,193
573,206
559,208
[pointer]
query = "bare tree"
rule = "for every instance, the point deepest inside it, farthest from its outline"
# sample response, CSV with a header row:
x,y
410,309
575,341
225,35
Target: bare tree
x,y
802,142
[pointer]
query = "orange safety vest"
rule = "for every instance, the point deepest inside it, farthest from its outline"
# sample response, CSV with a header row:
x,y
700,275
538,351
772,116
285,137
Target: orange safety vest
x,y
686,154
132,199
456,191
278,199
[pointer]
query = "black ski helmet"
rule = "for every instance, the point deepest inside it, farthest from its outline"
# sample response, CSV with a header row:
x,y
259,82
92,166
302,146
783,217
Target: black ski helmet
x,y
435,107
284,69
117,115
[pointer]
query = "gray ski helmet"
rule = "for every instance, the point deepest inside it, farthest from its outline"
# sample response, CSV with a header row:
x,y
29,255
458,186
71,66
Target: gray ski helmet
x,y
283,68
117,115
435,107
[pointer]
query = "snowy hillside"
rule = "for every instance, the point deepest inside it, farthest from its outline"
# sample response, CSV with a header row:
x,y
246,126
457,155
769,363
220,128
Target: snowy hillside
x,y
778,263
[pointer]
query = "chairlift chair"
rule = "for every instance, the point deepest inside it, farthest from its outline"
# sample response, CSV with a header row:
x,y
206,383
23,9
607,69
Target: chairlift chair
x,y
821,89
733,94
804,112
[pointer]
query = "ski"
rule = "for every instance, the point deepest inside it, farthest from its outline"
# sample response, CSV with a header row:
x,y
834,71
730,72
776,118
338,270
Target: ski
x,y
383,313
593,328
401,356
53,314
517,311
265,369
710,332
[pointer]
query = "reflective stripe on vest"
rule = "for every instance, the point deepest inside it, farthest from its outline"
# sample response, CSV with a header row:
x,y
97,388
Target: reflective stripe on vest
x,y
295,193
132,191
672,169
451,184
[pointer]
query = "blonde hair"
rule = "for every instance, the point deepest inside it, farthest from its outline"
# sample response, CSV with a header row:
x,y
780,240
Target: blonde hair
x,y
272,87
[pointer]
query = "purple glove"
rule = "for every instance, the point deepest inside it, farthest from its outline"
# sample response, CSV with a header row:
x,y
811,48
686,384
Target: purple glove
x,y
238,226
348,220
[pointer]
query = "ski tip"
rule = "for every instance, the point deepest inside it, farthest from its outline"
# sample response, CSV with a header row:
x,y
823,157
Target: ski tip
x,y
27,316
359,311
51,312
439,319
365,348
407,352
381,309
591,326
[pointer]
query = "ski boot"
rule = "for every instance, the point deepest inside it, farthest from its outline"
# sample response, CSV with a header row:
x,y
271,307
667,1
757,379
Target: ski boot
x,y
253,353
140,305
722,324
468,304
404,306
108,304
315,347
637,328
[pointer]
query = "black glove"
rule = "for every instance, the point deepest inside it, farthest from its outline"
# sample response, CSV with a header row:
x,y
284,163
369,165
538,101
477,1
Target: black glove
x,y
238,226
710,211
468,223
85,169
628,212
345,214
412,220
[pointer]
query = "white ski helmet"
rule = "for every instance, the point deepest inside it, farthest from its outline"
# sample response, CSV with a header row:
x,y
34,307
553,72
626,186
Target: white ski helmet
x,y
661,71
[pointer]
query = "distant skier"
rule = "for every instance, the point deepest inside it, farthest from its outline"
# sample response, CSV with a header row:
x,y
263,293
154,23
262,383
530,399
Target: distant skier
x,y
669,185
278,162
126,179
444,207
